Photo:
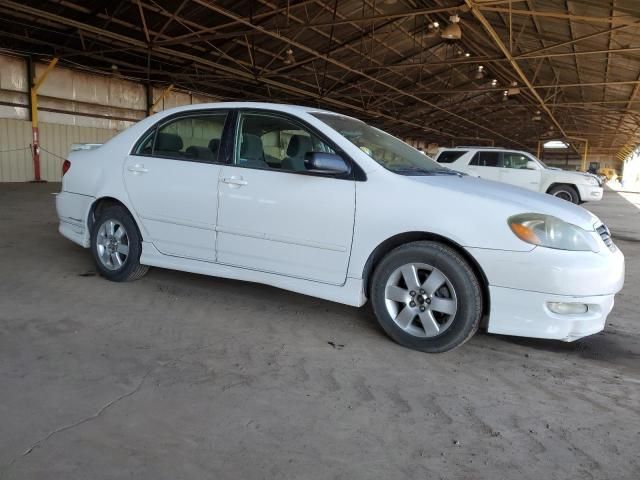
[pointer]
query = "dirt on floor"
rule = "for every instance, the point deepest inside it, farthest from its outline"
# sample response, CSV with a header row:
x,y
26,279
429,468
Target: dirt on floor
x,y
181,376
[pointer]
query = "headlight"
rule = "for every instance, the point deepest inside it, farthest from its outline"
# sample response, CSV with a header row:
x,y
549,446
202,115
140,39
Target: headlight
x,y
592,181
551,232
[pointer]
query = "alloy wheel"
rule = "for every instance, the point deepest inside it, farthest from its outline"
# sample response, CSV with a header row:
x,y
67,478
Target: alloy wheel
x,y
421,300
112,244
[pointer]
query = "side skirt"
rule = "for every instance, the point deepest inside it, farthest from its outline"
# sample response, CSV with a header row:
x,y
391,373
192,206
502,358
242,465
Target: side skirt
x,y
351,293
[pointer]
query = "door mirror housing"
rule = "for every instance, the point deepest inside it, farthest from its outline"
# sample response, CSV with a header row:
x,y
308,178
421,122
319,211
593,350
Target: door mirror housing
x,y
327,163
531,165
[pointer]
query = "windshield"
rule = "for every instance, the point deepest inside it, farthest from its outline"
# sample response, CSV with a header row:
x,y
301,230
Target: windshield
x,y
390,152
540,161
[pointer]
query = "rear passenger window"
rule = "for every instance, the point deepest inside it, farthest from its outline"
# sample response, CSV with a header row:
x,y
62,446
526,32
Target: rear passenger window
x,y
194,138
486,159
450,156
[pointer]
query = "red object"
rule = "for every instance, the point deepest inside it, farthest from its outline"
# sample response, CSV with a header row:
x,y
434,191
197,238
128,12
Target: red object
x,y
66,165
36,154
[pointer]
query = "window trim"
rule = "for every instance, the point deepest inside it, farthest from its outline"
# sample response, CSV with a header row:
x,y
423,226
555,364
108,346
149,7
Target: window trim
x,y
153,130
356,174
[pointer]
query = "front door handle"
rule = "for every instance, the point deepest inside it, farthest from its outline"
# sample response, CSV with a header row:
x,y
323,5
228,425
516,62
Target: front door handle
x,y
137,168
235,181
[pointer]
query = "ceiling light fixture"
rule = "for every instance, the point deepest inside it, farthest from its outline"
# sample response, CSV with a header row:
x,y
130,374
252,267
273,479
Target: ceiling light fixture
x,y
467,54
556,144
452,31
480,73
494,82
289,58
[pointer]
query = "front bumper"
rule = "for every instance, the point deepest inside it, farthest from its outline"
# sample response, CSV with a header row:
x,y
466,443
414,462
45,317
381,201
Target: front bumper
x,y
526,314
522,284
590,193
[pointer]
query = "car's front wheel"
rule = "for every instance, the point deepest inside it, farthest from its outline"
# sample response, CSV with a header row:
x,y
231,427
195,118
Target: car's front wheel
x,y
116,245
426,297
565,192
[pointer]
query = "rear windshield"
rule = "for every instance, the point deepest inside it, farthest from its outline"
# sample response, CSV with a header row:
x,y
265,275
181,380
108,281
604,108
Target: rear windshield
x,y
450,156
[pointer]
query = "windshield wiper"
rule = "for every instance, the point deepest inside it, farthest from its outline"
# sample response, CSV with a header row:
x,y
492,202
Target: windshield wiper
x,y
447,172
414,170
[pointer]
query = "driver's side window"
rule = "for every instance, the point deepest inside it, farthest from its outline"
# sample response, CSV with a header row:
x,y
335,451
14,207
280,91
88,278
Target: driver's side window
x,y
272,142
515,160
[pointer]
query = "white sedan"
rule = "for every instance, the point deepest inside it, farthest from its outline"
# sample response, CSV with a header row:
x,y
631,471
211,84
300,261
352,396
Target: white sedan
x,y
326,205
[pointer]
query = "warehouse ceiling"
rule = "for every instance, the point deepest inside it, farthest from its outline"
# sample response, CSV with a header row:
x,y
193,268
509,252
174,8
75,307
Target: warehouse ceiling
x,y
522,70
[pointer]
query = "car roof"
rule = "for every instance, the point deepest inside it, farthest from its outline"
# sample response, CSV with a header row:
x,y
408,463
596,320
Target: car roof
x,y
257,105
461,147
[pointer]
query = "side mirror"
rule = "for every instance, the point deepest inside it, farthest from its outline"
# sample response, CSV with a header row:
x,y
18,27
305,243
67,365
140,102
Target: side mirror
x,y
328,163
531,165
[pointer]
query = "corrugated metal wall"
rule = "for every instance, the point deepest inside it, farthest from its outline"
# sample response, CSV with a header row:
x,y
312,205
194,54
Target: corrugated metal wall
x,y
56,141
75,107
16,162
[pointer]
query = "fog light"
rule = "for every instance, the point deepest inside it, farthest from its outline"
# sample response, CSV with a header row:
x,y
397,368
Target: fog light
x,y
567,308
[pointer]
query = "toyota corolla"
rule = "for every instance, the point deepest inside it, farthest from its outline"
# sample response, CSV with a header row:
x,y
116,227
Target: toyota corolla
x,y
326,205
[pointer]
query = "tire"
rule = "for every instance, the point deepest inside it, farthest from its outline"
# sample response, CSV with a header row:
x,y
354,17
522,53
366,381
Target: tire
x,y
116,245
451,312
565,192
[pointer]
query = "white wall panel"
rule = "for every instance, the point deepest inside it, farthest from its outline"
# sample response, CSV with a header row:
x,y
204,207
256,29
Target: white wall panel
x,y
13,74
16,162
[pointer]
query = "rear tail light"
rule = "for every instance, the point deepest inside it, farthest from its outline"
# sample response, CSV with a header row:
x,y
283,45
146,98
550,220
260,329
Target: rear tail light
x,y
66,166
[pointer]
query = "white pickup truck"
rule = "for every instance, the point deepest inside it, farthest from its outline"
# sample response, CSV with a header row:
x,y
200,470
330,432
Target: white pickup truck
x,y
523,170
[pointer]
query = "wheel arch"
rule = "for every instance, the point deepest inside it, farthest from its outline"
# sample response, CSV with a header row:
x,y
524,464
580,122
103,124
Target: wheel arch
x,y
104,202
407,237
564,184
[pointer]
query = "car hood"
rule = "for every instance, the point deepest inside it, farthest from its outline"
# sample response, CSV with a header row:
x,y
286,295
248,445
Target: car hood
x,y
517,199
573,177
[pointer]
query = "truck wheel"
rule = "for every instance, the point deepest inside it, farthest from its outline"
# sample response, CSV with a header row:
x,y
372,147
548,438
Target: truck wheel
x,y
565,192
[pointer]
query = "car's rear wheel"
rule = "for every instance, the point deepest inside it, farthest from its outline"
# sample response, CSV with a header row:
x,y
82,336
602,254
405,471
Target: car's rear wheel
x,y
565,192
116,245
426,297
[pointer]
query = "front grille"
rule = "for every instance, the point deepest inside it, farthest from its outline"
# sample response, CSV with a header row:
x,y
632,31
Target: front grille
x,y
605,234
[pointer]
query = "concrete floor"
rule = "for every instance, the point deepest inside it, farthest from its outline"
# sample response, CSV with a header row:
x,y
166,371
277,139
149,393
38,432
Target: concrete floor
x,y
181,376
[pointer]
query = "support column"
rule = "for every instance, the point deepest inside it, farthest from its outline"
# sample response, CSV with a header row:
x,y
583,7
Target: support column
x,y
584,155
33,96
162,96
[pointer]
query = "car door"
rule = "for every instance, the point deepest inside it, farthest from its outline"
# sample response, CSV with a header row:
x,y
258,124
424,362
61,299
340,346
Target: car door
x,y
276,217
516,172
172,180
485,164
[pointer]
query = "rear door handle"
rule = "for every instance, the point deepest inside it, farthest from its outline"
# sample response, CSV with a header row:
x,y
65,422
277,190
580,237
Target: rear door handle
x,y
137,168
235,181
